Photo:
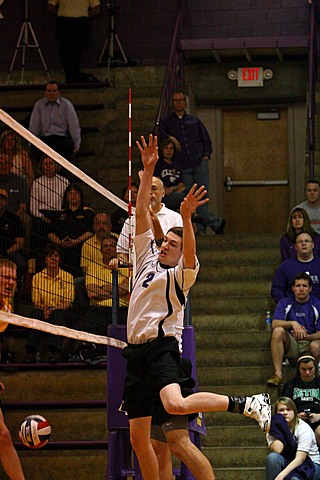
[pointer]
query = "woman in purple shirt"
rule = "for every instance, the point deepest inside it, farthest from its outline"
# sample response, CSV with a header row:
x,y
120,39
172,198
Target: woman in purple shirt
x,y
298,222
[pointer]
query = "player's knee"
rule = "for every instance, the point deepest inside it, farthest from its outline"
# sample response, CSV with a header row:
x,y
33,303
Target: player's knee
x,y
179,445
277,333
175,406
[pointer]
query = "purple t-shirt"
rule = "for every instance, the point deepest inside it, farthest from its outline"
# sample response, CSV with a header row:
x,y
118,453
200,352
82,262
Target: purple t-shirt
x,y
287,270
306,314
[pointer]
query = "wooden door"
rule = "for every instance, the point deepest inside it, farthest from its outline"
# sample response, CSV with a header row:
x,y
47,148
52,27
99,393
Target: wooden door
x,y
255,151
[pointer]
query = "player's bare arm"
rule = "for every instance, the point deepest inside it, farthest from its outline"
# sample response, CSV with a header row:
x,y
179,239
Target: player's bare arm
x,y
189,205
149,157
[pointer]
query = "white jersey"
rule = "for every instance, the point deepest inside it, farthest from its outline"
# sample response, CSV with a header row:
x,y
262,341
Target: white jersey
x,y
167,218
159,294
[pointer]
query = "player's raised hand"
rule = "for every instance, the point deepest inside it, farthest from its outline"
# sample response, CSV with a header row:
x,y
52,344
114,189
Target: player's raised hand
x,y
149,153
193,200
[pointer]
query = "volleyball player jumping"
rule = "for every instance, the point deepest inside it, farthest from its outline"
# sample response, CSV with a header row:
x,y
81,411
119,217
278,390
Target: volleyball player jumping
x,y
162,282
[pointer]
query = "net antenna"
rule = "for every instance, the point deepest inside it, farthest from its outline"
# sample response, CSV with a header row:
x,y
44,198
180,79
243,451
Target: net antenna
x,y
109,44
23,43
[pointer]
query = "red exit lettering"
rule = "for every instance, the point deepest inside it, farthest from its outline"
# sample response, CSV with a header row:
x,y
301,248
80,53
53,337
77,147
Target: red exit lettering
x,y
249,74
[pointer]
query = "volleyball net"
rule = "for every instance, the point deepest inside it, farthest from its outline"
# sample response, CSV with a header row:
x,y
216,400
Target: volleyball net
x,y
62,229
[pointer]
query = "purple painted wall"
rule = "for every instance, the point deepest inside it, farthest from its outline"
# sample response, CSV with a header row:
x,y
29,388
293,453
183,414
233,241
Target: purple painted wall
x,y
145,26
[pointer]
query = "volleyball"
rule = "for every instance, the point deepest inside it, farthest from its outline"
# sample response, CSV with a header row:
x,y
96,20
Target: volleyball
x,y
35,431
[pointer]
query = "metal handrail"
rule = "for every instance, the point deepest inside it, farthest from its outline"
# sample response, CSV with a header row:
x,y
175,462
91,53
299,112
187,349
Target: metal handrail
x,y
312,67
174,76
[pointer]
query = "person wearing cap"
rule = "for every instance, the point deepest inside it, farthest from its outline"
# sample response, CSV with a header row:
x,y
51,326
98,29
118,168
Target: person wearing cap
x,y
12,238
304,390
295,326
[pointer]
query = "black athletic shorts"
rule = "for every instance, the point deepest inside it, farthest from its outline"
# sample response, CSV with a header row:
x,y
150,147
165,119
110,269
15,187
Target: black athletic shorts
x,y
151,366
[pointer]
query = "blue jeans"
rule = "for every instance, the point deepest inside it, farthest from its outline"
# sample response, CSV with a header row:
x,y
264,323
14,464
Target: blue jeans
x,y
275,463
200,176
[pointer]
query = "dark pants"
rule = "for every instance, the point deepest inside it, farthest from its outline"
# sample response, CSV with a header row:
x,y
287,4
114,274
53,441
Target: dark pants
x,y
73,34
37,338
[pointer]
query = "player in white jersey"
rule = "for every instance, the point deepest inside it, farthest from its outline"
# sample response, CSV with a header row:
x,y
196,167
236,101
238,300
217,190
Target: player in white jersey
x,y
162,283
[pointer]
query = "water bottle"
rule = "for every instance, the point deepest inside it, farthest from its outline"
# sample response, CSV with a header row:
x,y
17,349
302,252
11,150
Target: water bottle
x,y
268,321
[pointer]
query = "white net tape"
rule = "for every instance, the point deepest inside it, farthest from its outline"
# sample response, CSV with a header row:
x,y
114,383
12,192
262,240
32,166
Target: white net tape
x,y
58,330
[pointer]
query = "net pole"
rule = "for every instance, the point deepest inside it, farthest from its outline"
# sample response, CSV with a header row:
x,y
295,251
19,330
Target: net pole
x,y
130,174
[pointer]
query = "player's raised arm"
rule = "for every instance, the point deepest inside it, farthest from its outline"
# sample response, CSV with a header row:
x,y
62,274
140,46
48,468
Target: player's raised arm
x,y
189,205
149,157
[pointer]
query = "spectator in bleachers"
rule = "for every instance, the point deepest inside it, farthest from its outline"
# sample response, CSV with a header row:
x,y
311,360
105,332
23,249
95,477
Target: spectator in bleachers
x,y
55,122
19,194
168,170
119,216
91,249
72,31
90,255
305,262
295,326
12,237
71,227
52,297
294,451
46,198
298,222
11,144
304,390
99,289
312,203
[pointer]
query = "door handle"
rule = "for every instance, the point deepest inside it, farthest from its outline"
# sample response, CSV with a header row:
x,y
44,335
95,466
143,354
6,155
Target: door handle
x,y
229,183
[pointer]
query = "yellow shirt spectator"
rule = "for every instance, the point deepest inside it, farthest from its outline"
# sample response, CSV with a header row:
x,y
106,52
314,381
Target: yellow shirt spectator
x,y
48,291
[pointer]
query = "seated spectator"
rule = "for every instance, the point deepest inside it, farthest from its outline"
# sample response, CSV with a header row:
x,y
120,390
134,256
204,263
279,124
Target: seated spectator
x,y
312,203
90,256
55,122
11,144
91,249
295,326
294,451
168,170
52,297
119,216
99,289
46,194
304,390
305,262
298,222
19,193
12,238
71,227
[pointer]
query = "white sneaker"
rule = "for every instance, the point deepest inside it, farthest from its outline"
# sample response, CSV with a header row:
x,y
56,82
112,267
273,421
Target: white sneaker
x,y
258,407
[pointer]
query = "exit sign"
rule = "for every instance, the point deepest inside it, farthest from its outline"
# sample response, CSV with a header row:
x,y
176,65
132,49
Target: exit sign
x,y
250,77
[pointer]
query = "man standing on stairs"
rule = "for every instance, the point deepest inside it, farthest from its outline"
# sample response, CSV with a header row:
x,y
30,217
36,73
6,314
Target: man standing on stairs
x,y
194,148
154,326
295,327
8,455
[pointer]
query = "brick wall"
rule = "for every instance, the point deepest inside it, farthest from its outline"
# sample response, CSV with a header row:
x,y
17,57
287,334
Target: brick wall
x,y
145,26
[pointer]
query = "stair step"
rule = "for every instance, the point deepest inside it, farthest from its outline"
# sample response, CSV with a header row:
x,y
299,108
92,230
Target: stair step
x,y
243,340
236,457
234,305
229,322
236,358
231,376
218,436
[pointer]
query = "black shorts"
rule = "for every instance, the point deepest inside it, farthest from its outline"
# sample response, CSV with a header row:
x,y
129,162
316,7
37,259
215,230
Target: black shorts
x,y
151,366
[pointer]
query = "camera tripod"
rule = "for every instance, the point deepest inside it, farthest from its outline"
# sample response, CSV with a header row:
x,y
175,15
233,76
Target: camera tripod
x,y
109,44
23,43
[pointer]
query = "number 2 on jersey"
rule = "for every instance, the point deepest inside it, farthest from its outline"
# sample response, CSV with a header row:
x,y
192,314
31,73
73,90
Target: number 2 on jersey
x,y
148,279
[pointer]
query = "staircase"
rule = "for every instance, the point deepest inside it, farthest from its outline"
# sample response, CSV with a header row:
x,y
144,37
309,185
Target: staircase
x,y
229,304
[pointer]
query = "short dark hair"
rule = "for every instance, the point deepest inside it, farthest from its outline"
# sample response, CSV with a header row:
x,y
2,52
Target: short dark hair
x,y
177,231
163,144
303,233
50,249
53,82
313,181
302,276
